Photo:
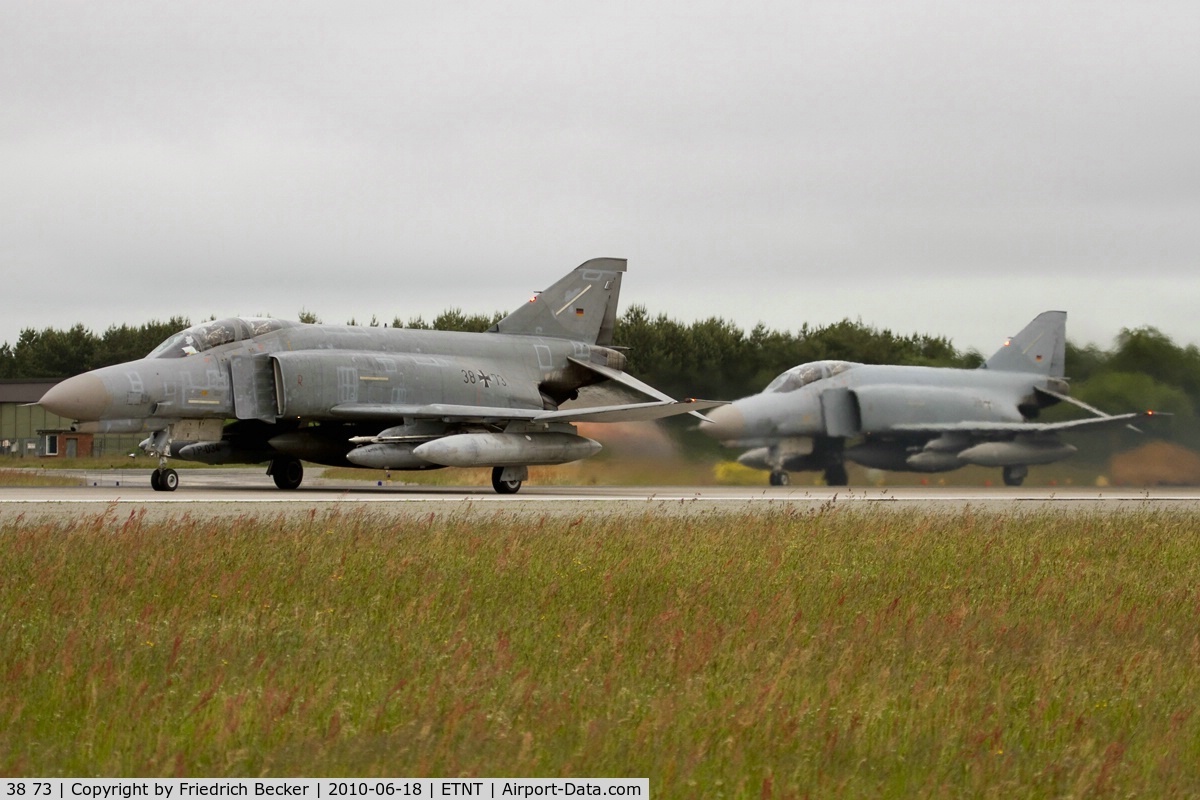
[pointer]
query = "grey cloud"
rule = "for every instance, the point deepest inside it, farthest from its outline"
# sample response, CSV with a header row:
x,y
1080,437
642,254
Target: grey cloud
x,y
783,162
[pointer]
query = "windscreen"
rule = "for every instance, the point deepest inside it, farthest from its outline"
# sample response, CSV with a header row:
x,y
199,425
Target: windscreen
x,y
215,333
803,375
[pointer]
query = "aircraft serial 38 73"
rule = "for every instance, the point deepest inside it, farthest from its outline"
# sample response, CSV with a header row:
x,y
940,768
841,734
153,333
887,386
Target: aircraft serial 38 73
x,y
913,419
266,390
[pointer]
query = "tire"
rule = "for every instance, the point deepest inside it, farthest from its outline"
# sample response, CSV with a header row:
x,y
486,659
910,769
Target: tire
x,y
780,478
502,486
156,480
169,480
288,473
1015,476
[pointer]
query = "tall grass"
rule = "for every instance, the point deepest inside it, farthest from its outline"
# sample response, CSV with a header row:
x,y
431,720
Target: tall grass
x,y
778,653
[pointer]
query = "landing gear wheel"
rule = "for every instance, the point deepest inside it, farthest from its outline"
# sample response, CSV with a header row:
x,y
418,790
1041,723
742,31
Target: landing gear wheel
x,y
502,486
836,475
287,472
164,480
780,478
1015,476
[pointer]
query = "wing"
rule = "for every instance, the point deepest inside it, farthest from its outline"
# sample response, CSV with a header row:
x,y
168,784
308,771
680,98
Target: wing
x,y
627,412
1003,428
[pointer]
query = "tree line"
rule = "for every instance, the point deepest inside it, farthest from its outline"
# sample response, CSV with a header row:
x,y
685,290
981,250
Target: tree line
x,y
714,358
710,358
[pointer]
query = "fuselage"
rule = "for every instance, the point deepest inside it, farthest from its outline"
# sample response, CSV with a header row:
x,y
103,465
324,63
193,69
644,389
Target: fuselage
x,y
242,390
845,400
306,372
905,418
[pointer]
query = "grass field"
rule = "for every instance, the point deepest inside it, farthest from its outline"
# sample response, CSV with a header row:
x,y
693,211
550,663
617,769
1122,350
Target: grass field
x,y
35,477
776,654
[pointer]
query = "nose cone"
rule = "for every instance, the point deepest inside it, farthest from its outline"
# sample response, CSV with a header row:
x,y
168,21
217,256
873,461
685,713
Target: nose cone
x,y
84,397
727,422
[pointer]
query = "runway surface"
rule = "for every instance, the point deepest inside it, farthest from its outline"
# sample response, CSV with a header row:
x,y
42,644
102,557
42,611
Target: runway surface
x,y
235,492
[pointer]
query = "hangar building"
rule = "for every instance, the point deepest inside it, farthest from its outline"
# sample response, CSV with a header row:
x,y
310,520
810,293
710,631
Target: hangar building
x,y
30,431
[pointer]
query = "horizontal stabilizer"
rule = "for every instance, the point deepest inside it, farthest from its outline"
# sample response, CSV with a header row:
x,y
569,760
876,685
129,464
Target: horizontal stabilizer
x,y
1066,398
618,386
627,381
634,412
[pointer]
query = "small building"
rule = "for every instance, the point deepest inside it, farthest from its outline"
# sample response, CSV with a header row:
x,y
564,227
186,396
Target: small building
x,y
28,430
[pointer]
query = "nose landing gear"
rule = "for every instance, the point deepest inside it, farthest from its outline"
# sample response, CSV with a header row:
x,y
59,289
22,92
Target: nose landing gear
x,y
164,479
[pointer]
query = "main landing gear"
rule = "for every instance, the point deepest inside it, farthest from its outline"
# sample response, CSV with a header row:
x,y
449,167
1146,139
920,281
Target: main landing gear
x,y
836,475
1015,476
164,479
826,454
287,472
507,480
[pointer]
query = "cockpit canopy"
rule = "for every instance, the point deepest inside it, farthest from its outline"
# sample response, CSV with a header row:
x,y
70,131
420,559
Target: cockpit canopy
x,y
215,333
805,374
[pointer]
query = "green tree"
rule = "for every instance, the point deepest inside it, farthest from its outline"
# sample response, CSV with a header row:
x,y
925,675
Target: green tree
x,y
656,349
52,353
1116,392
8,361
1120,392
1084,362
1150,351
125,343
455,320
416,323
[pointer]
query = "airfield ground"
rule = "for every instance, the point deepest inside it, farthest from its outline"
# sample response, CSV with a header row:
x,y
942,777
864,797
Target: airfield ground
x,y
762,649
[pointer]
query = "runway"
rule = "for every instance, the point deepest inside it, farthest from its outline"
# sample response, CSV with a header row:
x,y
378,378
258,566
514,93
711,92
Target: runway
x,y
236,492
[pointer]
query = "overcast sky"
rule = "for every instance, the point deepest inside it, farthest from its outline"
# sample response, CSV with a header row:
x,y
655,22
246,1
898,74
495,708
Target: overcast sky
x,y
950,168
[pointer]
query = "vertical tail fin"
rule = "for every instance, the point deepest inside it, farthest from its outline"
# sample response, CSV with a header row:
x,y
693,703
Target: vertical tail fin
x,y
581,306
1039,347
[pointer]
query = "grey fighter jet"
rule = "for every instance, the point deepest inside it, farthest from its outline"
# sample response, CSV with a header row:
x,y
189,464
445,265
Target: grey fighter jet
x,y
268,390
912,419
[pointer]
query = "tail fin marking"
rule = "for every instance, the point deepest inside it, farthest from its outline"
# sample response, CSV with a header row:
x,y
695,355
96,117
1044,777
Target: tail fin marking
x,y
581,306
1039,347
